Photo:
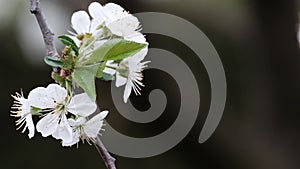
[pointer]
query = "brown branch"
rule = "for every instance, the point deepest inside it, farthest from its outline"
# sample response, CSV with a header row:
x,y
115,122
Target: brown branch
x,y
48,35
108,159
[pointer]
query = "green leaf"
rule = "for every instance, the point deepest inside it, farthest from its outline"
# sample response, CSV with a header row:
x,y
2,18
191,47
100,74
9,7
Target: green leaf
x,y
114,49
53,61
66,40
123,49
85,78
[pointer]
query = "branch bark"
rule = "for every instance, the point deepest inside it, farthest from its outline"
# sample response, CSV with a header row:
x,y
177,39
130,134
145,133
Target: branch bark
x,y
108,159
48,37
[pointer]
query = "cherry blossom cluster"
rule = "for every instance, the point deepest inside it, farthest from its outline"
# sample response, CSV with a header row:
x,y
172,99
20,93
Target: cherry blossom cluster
x,y
112,21
106,44
62,116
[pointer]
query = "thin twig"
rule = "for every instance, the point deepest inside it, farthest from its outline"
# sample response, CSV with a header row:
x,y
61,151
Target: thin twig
x,y
108,159
48,35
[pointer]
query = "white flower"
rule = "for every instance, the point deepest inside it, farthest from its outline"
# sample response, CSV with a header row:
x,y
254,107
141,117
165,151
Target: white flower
x,y
55,100
117,20
86,129
129,72
107,20
23,111
81,23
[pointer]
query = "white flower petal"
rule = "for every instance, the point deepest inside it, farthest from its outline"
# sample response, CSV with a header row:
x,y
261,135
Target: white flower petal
x,y
39,98
95,23
63,131
78,122
127,90
136,58
75,139
109,71
94,125
81,22
26,108
72,122
47,97
76,131
30,125
48,124
57,92
136,37
120,80
113,12
55,134
82,105
124,26
95,10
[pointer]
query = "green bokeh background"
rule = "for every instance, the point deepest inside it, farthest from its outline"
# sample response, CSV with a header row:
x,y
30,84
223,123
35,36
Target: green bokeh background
x,y
257,43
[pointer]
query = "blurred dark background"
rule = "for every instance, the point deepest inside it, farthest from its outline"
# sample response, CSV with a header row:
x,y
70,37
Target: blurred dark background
x,y
257,43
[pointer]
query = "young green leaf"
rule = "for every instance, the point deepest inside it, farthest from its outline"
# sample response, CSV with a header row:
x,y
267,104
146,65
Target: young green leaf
x,y
114,49
85,78
123,49
52,61
69,42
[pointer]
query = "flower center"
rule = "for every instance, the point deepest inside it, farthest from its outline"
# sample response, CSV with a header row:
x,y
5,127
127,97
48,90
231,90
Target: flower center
x,y
60,107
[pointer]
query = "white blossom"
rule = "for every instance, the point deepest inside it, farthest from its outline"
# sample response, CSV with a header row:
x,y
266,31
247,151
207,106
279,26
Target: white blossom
x,y
112,16
55,100
23,112
129,73
85,129
117,20
125,25
81,23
